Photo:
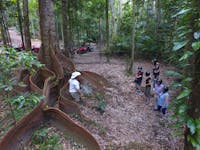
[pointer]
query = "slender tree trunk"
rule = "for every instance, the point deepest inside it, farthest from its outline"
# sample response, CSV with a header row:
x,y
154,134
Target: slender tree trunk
x,y
130,69
4,28
107,32
26,26
57,42
65,22
48,50
120,13
20,21
158,13
33,28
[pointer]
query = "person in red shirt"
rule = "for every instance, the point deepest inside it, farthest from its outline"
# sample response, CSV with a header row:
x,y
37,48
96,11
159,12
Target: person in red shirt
x,y
138,79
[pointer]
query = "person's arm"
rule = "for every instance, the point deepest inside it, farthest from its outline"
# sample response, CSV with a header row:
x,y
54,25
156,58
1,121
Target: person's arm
x,y
80,92
149,82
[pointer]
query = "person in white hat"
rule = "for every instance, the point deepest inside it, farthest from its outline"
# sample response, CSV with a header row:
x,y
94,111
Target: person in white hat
x,y
74,86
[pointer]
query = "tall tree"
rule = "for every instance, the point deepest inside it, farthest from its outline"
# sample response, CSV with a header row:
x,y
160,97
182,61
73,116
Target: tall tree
x,y
27,34
107,32
20,21
4,27
158,12
49,47
133,36
65,21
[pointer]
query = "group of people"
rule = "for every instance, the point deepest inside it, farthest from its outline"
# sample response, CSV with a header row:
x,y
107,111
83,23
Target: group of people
x,y
160,91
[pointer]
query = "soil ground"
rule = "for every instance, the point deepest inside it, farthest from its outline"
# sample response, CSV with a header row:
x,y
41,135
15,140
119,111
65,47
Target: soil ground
x,y
128,122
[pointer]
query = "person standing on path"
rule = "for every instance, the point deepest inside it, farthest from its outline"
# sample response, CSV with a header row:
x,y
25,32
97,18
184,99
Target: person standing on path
x,y
138,80
147,91
74,86
156,71
163,101
158,90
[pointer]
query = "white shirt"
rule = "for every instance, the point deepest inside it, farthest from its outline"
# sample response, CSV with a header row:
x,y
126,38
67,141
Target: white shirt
x,y
159,89
74,85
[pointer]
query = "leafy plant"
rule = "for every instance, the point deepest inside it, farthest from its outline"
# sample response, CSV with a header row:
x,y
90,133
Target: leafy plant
x,y
11,62
188,48
45,140
101,106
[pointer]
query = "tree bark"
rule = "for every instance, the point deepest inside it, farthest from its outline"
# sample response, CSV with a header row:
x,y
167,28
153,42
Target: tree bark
x,y
158,14
49,49
26,26
107,32
133,36
20,21
4,28
65,22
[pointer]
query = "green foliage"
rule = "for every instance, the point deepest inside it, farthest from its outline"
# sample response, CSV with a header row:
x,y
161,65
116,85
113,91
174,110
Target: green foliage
x,y
45,140
24,103
101,106
120,45
11,62
174,73
186,48
179,45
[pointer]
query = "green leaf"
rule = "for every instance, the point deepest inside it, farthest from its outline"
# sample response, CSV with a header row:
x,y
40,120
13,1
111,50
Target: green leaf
x,y
191,126
196,45
21,84
183,94
179,45
192,140
173,73
176,85
182,109
182,12
186,55
188,79
9,88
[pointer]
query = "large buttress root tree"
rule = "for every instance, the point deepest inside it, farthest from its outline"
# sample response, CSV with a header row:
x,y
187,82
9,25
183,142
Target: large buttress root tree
x,y
49,47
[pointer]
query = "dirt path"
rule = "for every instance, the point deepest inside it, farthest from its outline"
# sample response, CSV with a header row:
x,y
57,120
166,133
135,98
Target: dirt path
x,y
127,122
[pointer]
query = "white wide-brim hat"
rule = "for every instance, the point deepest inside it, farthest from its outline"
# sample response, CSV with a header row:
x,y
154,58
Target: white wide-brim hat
x,y
75,74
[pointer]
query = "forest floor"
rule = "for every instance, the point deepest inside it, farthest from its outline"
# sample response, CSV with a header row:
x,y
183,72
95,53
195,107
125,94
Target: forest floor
x,y
128,122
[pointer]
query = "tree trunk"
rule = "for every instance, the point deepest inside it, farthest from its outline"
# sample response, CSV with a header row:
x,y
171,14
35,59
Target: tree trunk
x,y
48,38
158,14
20,21
107,32
4,28
130,69
194,102
65,22
27,34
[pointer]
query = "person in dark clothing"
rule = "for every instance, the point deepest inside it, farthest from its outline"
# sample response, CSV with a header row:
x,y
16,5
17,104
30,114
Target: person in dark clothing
x,y
138,79
156,71
147,91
